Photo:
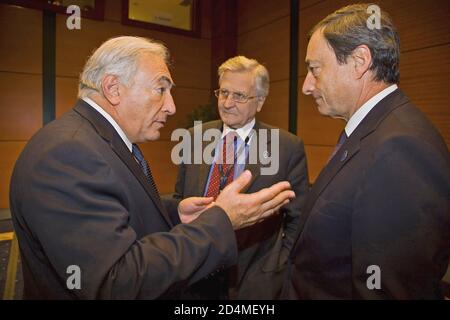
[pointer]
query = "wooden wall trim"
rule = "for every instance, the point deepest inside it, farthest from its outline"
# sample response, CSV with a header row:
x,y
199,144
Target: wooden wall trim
x,y
293,66
223,35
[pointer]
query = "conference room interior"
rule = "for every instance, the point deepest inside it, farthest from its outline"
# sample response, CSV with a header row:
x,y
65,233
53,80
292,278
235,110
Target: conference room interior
x,y
42,52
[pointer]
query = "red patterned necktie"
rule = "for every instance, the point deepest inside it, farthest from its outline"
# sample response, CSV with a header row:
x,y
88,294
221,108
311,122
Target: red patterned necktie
x,y
223,169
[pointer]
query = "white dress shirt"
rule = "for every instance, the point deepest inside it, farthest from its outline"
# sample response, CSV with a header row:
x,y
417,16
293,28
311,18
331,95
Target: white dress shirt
x,y
362,112
243,132
110,120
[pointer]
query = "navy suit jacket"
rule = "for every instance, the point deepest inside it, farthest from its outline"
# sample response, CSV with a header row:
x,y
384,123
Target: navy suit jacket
x,y
383,201
78,197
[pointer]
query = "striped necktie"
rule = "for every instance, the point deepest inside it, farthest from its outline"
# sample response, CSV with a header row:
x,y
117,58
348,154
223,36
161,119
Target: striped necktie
x,y
145,167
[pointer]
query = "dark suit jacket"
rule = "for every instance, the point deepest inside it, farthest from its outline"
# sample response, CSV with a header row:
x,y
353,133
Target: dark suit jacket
x,y
382,200
78,197
264,247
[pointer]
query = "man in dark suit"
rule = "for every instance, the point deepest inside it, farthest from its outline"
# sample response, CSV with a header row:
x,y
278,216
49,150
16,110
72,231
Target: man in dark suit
x,y
264,247
376,224
87,214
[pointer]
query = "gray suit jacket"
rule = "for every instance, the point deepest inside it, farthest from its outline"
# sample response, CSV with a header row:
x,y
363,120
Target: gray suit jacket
x,y
79,198
264,247
383,201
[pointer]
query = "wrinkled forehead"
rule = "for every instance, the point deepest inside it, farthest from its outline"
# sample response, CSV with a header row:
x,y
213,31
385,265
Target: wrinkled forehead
x,y
156,67
237,80
318,48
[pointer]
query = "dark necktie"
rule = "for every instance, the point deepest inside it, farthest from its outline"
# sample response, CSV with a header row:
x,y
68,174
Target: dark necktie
x,y
223,170
341,141
145,167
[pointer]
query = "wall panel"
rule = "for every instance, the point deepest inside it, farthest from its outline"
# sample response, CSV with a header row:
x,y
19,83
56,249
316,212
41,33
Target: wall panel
x,y
66,94
20,39
270,46
425,81
275,109
263,34
20,105
190,56
254,14
20,86
10,151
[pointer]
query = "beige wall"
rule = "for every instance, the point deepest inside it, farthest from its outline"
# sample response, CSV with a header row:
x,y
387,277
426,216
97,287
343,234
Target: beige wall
x,y
21,78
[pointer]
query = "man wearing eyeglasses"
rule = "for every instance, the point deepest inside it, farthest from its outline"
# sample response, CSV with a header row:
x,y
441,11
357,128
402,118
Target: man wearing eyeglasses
x,y
263,248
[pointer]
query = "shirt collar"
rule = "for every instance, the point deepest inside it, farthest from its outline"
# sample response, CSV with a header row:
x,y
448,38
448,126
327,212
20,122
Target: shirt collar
x,y
243,131
362,112
110,120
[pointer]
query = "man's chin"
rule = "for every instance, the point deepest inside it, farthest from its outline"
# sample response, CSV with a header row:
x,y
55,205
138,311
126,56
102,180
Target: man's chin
x,y
232,125
323,110
155,135
327,112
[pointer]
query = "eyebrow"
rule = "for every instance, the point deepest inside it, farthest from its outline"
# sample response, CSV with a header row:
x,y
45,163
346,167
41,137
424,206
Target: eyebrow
x,y
166,81
230,91
308,61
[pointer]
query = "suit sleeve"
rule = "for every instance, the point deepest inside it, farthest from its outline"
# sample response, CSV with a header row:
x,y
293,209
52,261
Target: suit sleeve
x,y
79,216
401,222
298,177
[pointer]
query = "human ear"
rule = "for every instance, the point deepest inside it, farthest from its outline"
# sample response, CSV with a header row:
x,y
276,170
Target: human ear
x,y
260,101
362,60
111,89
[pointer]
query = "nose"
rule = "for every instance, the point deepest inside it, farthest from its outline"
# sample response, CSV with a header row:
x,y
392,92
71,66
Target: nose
x,y
169,105
309,84
228,102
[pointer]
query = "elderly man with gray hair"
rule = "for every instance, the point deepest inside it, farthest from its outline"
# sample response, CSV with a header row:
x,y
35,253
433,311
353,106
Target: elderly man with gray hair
x,y
264,247
87,214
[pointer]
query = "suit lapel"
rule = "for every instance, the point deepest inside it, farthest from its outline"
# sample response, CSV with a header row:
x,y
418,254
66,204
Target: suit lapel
x,y
124,154
203,174
345,153
348,150
108,133
255,168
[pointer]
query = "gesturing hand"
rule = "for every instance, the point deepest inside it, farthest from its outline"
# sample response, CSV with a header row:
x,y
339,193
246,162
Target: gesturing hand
x,y
190,208
247,209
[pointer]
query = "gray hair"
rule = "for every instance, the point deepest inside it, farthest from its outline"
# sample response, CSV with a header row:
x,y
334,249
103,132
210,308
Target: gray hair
x,y
117,56
346,29
240,64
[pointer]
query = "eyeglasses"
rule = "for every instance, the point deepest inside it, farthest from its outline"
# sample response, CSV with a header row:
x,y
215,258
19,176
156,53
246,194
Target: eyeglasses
x,y
238,97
